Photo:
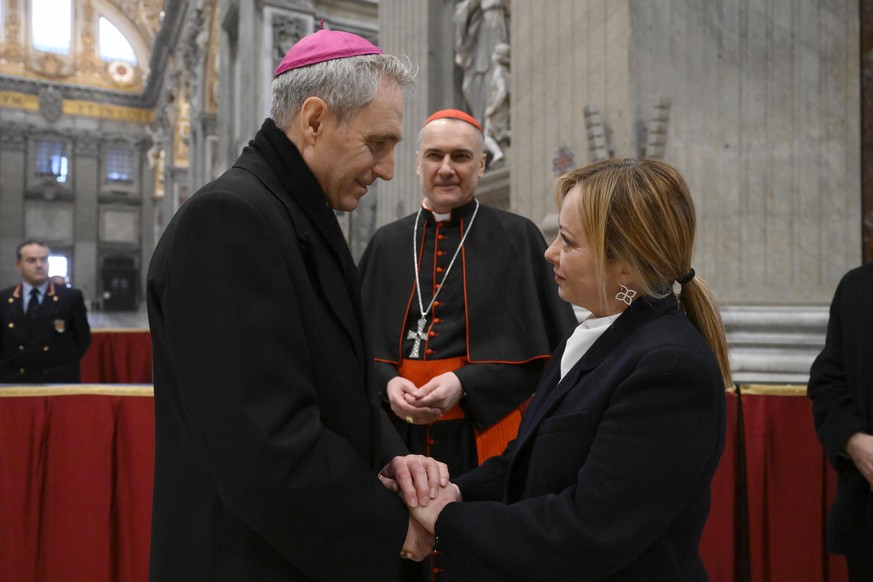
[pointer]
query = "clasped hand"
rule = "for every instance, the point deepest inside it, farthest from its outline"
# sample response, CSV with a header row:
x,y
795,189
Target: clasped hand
x,y
425,404
860,449
423,484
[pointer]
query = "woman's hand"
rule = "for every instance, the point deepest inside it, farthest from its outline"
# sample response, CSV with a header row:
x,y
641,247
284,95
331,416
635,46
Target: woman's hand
x,y
427,516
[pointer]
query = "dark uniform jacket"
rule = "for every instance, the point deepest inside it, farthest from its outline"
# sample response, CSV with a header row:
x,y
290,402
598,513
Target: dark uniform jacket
x,y
609,476
46,350
841,389
268,439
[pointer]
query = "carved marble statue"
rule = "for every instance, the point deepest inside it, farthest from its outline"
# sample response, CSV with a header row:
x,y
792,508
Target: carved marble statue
x,y
497,131
480,25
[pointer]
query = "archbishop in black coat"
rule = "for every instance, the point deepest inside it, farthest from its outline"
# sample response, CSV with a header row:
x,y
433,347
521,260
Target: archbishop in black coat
x,y
268,439
609,476
841,389
48,349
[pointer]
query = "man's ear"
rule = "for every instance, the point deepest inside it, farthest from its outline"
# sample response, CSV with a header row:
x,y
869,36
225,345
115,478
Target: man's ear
x,y
311,119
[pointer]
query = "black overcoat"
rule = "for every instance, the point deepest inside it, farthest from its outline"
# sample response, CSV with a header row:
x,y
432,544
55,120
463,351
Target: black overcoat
x,y
609,476
841,389
48,349
268,439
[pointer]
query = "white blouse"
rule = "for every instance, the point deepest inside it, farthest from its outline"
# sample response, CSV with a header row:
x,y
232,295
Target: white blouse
x,y
584,336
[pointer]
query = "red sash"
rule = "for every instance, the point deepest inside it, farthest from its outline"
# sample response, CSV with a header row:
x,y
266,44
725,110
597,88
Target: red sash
x,y
489,442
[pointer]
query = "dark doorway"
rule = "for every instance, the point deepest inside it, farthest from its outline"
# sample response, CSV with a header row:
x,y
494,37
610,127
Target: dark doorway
x,y
119,276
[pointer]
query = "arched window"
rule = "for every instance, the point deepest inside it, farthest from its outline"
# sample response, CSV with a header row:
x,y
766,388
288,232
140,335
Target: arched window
x,y
113,45
95,42
52,34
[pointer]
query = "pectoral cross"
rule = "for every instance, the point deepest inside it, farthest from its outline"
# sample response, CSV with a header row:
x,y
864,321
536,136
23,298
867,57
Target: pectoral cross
x,y
417,335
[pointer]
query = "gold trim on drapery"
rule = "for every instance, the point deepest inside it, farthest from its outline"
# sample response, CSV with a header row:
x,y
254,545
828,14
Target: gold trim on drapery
x,y
77,389
773,389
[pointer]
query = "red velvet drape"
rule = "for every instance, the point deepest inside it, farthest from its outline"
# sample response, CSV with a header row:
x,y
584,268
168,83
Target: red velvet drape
x,y
75,486
721,535
789,484
76,475
118,357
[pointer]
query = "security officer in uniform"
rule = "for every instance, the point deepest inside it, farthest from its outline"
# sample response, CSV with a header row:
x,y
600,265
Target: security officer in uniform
x,y
45,325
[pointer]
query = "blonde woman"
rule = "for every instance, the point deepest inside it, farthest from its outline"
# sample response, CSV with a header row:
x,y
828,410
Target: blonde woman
x,y
608,478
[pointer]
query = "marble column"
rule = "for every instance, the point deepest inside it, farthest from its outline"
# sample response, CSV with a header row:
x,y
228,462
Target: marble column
x,y
422,31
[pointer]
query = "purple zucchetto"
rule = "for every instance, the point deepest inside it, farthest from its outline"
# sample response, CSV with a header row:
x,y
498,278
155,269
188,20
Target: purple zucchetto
x,y
325,45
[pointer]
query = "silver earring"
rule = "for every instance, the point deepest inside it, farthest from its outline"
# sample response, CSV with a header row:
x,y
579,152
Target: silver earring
x,y
626,295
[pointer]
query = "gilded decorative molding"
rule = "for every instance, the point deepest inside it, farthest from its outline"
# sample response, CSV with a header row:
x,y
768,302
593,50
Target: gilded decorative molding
x,y
51,65
106,111
83,67
78,389
12,48
210,99
182,135
145,14
14,100
773,390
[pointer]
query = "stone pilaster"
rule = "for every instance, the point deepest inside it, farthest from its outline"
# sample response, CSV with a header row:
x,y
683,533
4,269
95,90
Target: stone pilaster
x,y
86,186
421,30
13,177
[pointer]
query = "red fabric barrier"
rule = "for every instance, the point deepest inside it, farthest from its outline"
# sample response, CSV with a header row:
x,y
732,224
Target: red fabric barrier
x,y
75,486
76,476
787,481
118,357
718,546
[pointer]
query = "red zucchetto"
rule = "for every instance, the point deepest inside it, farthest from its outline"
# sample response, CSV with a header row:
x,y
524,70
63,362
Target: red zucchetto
x,y
453,114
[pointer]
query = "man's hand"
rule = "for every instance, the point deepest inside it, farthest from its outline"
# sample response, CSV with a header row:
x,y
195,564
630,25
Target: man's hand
x,y
859,447
416,478
419,542
442,393
398,390
427,516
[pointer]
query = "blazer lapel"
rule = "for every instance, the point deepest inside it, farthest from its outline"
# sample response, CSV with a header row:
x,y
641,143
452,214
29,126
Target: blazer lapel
x,y
550,395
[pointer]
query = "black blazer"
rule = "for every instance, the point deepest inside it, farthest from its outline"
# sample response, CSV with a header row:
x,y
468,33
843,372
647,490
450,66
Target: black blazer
x,y
609,476
841,389
268,438
48,349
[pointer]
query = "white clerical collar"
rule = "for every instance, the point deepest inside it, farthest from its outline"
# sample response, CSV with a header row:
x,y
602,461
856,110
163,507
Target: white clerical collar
x,y
584,336
463,210
437,216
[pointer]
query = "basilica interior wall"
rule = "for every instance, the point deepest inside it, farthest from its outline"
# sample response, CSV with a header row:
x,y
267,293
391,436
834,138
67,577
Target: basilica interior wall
x,y
756,103
97,219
